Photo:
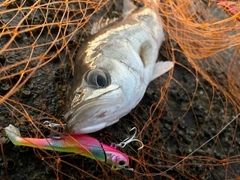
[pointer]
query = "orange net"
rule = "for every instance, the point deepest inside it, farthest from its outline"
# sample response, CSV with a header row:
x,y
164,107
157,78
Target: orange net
x,y
179,112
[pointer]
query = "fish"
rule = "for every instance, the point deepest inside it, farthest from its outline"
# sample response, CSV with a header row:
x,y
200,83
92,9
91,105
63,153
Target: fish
x,y
114,67
76,143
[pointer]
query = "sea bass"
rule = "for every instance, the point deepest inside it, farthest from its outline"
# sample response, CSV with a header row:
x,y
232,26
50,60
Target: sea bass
x,y
113,69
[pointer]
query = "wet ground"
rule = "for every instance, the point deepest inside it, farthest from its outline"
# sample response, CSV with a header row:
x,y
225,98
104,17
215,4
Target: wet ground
x,y
193,112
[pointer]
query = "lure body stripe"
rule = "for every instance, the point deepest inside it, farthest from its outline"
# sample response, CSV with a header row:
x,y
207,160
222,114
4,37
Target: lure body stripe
x,y
78,144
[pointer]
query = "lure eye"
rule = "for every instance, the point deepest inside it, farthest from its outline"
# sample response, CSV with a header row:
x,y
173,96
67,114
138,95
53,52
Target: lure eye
x,y
97,78
121,163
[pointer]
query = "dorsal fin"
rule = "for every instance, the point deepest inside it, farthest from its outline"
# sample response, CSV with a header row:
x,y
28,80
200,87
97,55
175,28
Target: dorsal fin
x,y
128,7
97,26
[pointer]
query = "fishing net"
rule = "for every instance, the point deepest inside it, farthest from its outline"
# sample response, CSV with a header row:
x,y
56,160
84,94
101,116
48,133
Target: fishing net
x,y
180,111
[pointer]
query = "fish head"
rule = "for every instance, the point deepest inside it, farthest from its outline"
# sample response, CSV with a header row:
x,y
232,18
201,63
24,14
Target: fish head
x,y
101,99
111,86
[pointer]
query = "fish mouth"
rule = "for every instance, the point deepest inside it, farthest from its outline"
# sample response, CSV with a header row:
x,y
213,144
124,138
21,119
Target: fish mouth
x,y
93,114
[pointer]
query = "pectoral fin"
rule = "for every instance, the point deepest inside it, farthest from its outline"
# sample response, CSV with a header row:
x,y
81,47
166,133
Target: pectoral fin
x,y
161,68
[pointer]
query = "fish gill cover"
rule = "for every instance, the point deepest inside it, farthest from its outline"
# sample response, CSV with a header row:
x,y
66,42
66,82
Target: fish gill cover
x,y
179,112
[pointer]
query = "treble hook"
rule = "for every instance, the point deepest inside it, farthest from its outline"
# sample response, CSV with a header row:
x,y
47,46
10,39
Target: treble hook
x,y
52,125
129,140
55,126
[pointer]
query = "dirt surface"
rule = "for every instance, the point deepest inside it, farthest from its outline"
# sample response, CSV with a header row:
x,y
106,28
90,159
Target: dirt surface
x,y
193,112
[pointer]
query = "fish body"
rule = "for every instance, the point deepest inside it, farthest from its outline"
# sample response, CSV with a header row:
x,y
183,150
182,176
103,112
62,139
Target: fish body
x,y
77,143
113,69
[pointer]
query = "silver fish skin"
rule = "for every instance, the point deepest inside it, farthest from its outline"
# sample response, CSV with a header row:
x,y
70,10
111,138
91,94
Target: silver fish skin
x,y
113,69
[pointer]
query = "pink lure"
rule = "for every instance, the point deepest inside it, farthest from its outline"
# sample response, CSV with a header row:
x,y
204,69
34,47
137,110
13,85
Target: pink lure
x,y
75,143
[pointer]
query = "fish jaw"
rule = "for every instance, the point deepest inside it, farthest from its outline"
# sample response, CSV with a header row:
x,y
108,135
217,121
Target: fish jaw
x,y
91,115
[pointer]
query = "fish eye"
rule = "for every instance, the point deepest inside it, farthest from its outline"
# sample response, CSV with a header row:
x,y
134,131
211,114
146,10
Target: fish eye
x,y
97,78
121,163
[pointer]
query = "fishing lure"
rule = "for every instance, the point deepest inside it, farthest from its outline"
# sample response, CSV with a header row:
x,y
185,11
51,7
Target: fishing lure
x,y
79,144
229,7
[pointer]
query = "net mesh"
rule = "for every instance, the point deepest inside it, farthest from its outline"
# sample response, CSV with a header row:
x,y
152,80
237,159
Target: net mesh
x,y
179,112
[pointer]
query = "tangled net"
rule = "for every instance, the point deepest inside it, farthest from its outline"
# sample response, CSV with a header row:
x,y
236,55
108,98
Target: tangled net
x,y
180,111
